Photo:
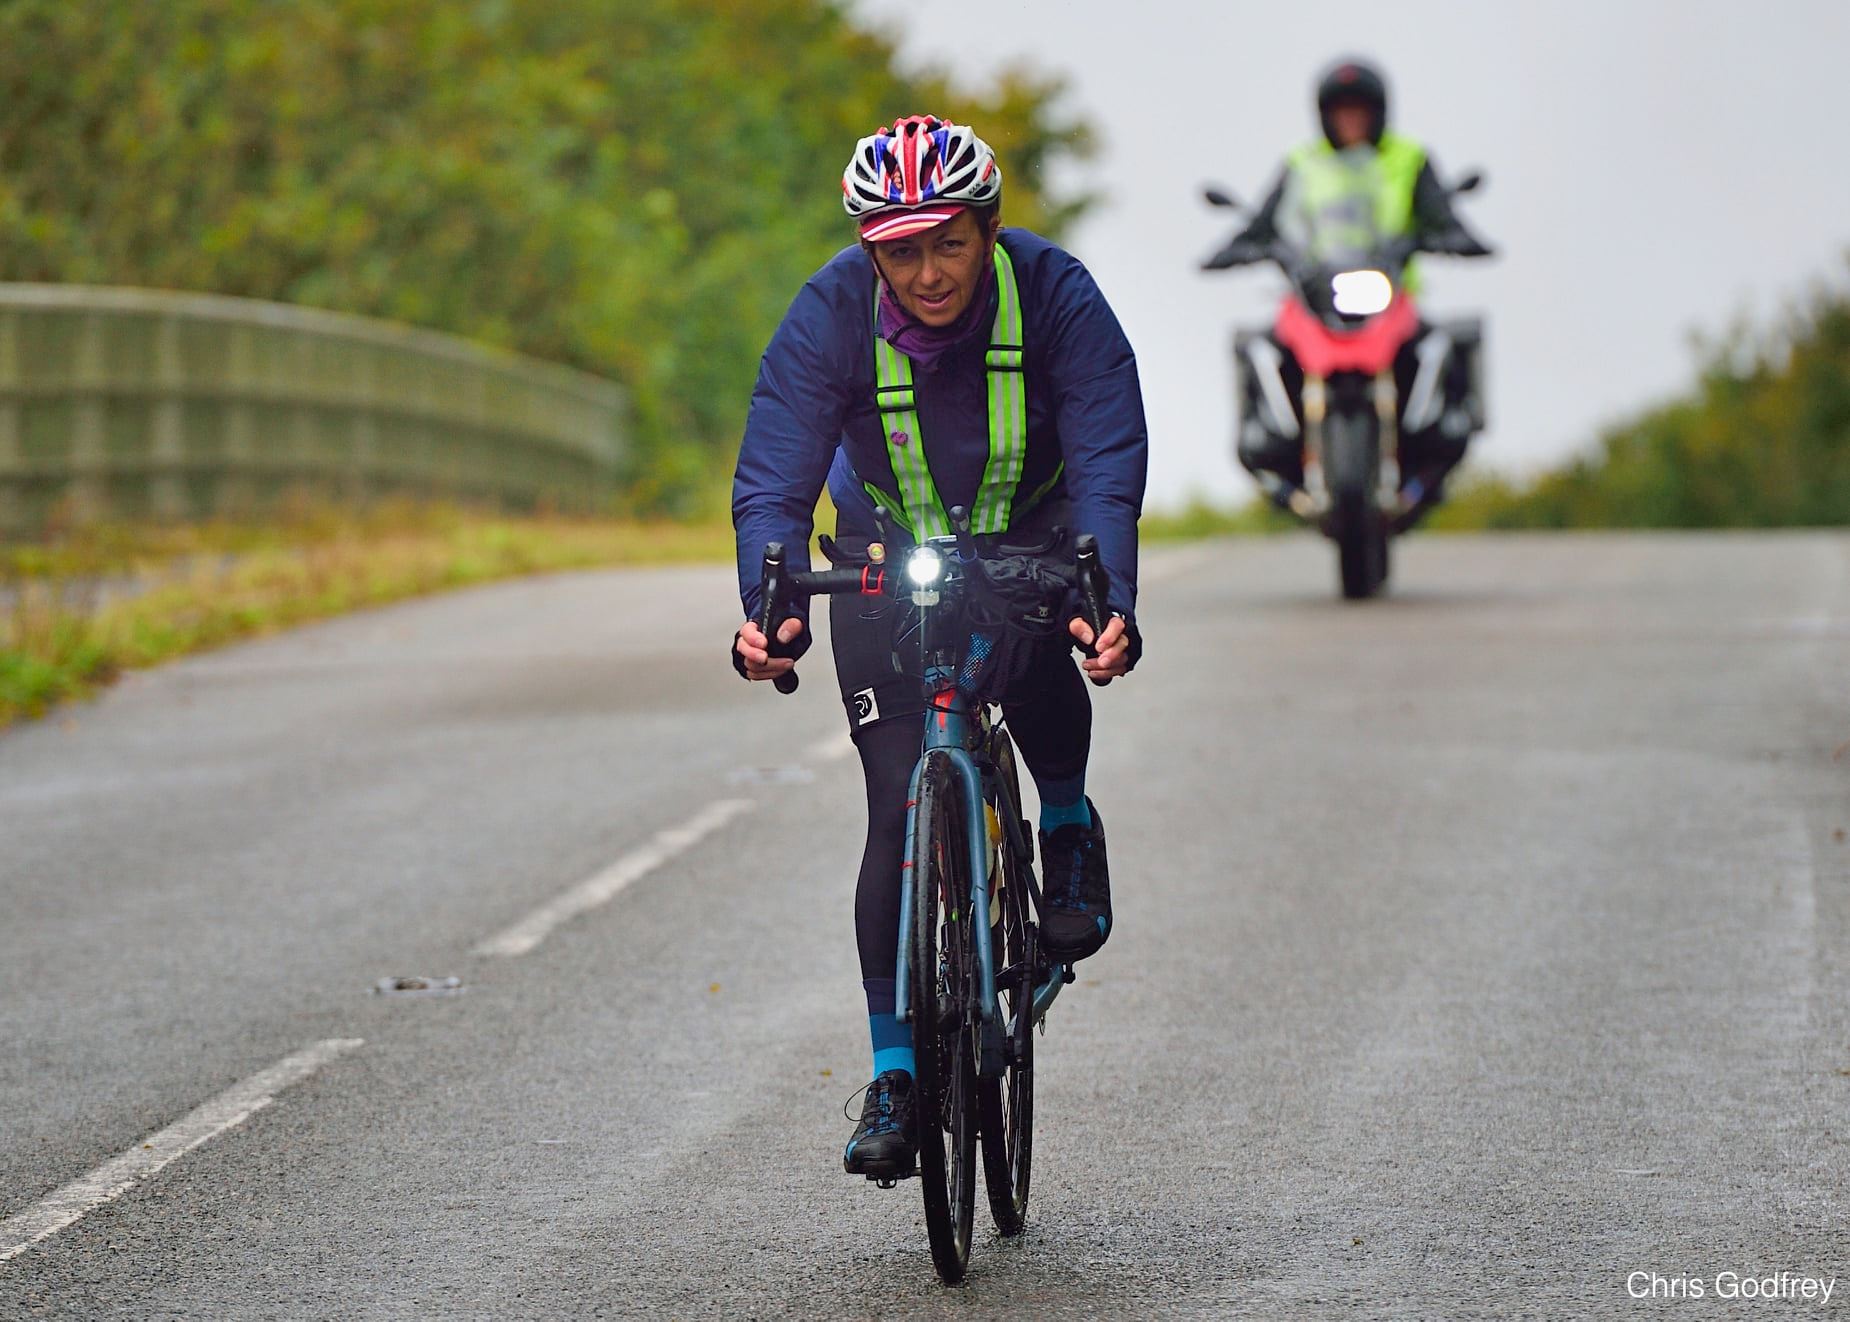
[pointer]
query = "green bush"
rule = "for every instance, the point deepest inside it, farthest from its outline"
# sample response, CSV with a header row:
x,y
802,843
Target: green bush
x,y
1763,441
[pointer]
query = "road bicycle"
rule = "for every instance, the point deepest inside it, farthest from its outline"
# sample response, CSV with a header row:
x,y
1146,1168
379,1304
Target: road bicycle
x,y
973,991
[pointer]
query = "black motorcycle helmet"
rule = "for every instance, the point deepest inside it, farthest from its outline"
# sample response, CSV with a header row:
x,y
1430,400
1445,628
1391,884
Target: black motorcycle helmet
x,y
1353,80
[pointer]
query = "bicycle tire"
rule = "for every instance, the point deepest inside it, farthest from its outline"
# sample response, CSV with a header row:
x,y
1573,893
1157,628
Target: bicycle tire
x,y
1005,1105
945,1075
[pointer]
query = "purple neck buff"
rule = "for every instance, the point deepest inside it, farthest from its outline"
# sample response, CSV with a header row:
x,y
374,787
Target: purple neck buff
x,y
924,344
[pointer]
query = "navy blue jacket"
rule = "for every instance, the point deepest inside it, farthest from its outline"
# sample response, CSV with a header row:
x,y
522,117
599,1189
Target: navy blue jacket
x,y
813,417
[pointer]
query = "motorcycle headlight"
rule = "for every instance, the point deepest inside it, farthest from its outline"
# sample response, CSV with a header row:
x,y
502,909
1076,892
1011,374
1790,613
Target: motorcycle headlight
x,y
1361,293
924,567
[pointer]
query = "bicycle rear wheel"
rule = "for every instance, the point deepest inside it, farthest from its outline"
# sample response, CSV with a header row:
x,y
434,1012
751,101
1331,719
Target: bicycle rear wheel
x,y
943,1038
1005,1105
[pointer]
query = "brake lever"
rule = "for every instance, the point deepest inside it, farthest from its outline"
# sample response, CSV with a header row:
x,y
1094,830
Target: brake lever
x,y
883,524
960,525
1094,587
772,588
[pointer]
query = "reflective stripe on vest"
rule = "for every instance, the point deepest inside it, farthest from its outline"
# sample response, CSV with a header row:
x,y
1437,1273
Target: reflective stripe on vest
x,y
922,509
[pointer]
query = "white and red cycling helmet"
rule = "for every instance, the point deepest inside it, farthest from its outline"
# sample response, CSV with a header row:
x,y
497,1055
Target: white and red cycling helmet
x,y
916,175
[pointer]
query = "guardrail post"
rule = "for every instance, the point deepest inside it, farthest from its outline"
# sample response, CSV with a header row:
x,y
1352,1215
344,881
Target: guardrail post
x,y
89,419
166,442
236,490
13,473
363,400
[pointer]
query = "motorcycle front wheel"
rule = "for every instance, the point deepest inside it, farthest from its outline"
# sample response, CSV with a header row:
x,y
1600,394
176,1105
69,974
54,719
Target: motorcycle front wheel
x,y
1352,467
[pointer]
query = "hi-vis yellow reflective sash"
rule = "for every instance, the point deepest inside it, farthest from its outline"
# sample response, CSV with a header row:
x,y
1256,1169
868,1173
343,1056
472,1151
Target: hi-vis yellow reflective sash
x,y
921,510
1342,204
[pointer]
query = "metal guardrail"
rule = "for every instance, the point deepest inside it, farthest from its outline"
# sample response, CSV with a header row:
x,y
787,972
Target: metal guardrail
x,y
137,403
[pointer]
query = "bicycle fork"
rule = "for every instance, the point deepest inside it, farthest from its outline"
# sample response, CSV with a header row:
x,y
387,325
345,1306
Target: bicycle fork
x,y
969,784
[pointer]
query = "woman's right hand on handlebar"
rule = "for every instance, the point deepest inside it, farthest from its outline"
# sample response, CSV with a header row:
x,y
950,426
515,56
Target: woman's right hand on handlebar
x,y
753,659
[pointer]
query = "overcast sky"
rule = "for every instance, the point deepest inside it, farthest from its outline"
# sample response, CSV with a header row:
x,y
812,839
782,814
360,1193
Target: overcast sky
x,y
1654,168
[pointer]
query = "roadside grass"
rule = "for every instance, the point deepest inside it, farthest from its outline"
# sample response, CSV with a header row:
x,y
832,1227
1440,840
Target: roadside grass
x,y
1199,516
92,602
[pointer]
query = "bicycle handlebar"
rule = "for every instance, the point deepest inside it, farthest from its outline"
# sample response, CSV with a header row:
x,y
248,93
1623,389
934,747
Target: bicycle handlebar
x,y
779,585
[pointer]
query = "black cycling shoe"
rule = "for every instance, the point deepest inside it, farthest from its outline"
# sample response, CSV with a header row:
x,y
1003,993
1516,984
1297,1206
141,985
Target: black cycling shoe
x,y
886,1139
1077,884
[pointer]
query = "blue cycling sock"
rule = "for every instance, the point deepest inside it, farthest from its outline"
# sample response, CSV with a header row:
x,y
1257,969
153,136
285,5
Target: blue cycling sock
x,y
892,1044
1063,802
892,1040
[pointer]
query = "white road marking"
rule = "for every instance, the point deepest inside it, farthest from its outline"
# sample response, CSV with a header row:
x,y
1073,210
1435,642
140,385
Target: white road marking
x,y
837,745
118,1175
603,887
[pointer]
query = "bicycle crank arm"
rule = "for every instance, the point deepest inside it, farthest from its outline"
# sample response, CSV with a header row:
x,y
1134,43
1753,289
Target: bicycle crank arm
x,y
1045,994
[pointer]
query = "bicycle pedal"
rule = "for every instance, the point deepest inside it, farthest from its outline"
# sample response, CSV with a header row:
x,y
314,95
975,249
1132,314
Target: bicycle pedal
x,y
884,1184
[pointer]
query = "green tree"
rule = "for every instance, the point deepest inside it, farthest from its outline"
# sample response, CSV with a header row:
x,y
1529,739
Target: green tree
x,y
1762,441
636,187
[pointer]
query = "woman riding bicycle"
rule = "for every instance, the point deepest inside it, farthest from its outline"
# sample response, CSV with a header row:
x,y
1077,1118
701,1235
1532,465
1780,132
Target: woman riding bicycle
x,y
945,361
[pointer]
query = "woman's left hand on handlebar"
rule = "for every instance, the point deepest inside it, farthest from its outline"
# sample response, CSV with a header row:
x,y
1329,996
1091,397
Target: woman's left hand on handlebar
x,y
1113,649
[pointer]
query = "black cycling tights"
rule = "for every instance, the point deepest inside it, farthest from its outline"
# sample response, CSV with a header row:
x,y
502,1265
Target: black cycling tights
x,y
1053,730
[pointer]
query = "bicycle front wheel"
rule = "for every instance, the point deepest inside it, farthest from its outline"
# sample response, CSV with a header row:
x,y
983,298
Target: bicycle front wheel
x,y
943,1039
1005,1104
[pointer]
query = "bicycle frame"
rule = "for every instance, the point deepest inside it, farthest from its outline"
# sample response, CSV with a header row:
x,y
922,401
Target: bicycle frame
x,y
947,741
955,729
954,726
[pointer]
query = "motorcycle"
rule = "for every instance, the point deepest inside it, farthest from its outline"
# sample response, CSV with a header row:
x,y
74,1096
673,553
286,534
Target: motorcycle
x,y
1338,335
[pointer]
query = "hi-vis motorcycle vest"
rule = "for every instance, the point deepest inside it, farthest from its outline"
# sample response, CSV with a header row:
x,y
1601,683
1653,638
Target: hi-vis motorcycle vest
x,y
1340,203
919,507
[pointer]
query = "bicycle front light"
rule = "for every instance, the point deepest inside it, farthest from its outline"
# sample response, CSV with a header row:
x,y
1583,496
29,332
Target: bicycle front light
x,y
924,567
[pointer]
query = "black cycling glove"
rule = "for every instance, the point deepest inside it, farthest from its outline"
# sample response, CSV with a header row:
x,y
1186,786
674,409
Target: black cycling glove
x,y
1134,638
1133,641
794,649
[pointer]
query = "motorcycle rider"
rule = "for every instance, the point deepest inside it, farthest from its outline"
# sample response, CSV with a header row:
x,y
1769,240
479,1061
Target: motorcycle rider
x,y
945,360
1392,192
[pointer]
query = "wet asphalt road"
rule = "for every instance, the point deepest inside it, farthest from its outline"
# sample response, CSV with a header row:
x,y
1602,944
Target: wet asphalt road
x,y
1477,948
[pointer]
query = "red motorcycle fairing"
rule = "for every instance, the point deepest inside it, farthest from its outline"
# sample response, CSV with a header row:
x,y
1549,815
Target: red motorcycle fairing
x,y
1369,348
